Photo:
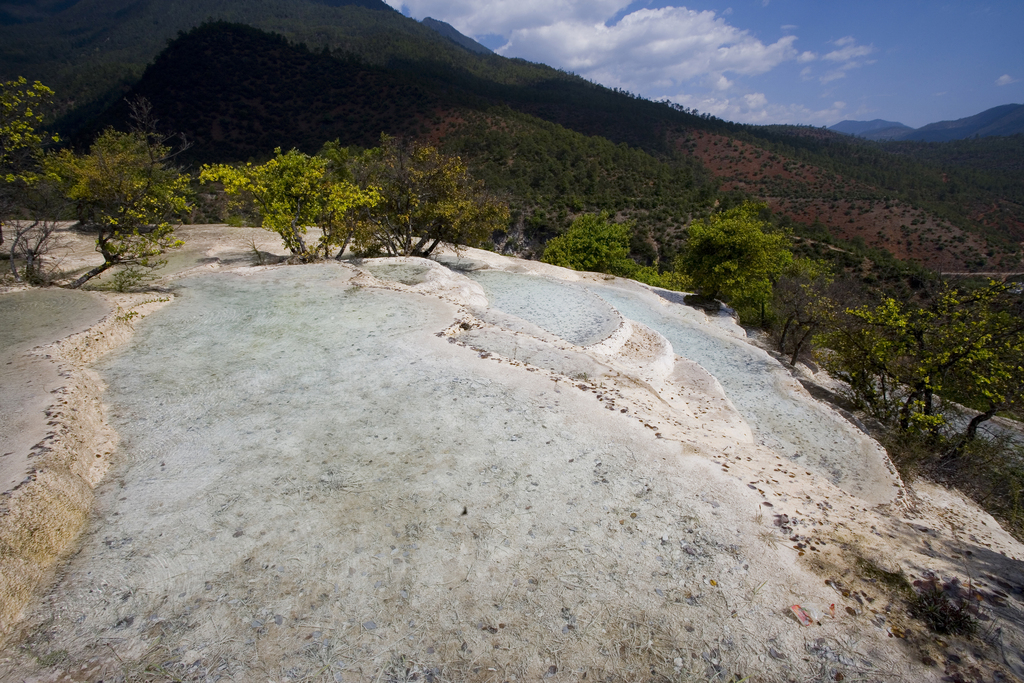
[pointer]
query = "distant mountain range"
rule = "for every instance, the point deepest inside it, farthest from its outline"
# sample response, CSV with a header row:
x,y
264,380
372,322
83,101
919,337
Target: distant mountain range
x,y
1007,119
872,130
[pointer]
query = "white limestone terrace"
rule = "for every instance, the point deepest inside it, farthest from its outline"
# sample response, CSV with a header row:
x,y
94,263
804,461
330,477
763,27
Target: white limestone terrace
x,y
375,471
32,318
783,416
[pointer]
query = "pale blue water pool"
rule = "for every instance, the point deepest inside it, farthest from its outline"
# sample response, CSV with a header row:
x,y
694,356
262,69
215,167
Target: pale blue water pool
x,y
563,309
754,382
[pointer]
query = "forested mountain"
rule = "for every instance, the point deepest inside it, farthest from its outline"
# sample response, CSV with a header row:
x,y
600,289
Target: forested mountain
x,y
350,71
1005,120
294,97
91,51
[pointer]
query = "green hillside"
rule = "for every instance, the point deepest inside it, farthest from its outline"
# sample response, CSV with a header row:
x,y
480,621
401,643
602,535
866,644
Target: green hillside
x,y
290,96
973,184
294,97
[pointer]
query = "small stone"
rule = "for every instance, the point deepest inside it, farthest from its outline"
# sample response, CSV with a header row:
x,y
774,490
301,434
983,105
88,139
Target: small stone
x,y
369,625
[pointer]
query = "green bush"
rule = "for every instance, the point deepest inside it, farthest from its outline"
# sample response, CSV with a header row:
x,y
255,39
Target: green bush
x,y
592,243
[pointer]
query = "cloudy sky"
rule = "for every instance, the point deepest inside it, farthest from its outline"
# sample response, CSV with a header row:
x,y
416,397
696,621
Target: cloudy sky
x,y
769,61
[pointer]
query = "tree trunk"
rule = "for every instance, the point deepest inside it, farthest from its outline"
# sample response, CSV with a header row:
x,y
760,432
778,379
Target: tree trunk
x,y
14,268
299,247
433,246
407,239
90,275
972,426
418,249
296,236
798,346
344,246
970,435
785,331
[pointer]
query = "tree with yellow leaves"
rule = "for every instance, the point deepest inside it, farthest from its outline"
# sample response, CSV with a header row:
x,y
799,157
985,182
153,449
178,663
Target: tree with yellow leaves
x,y
294,192
21,142
427,199
899,358
128,193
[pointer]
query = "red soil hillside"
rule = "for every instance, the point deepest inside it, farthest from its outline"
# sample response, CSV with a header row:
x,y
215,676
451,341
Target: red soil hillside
x,y
848,209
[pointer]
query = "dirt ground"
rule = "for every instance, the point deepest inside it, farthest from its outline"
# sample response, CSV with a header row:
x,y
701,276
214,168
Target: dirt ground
x,y
584,513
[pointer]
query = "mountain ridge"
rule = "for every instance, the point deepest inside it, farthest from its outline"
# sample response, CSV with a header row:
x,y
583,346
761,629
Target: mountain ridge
x,y
452,33
1001,121
877,129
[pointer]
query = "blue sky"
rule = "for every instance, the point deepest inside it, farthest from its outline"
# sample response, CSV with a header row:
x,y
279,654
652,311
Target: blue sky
x,y
769,61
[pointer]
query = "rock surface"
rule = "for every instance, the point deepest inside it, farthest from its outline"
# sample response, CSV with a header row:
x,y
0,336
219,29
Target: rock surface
x,y
362,472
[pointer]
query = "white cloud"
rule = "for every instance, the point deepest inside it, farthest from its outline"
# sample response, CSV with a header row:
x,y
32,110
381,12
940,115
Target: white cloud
x,y
848,55
848,50
688,56
501,17
669,44
645,47
1005,79
755,100
757,109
